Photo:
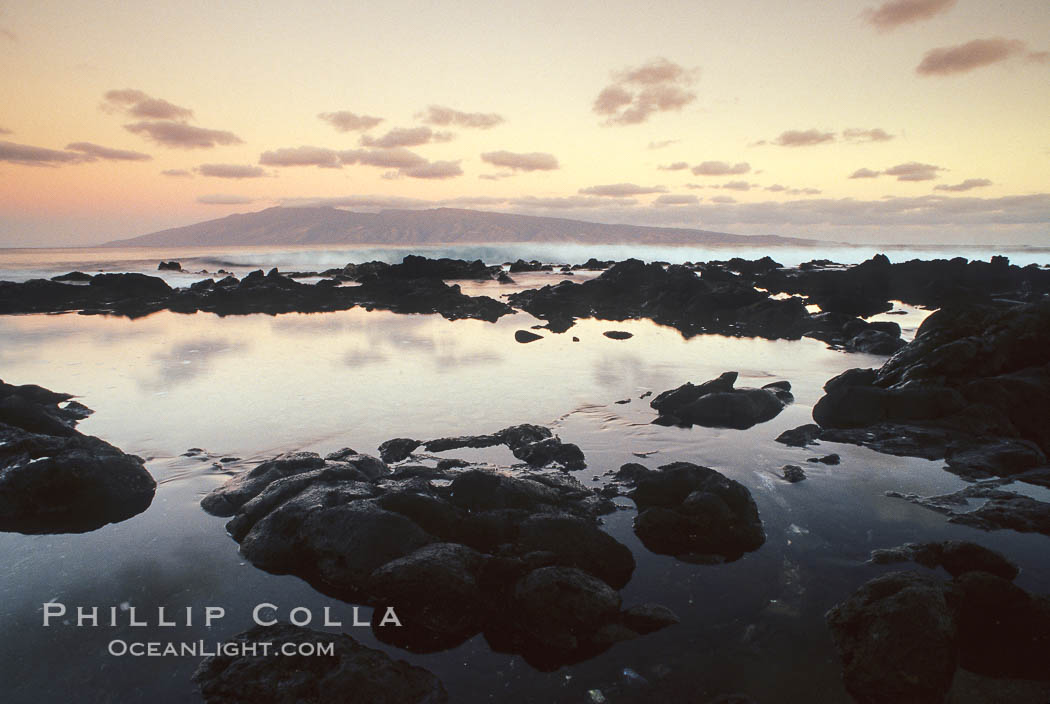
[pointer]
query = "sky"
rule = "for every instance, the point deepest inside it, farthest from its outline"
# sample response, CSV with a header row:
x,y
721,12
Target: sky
x,y
906,121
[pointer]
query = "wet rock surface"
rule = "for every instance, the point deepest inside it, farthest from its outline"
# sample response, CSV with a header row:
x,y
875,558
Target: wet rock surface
x,y
353,672
973,388
414,286
717,404
456,550
54,479
693,513
997,508
533,444
957,557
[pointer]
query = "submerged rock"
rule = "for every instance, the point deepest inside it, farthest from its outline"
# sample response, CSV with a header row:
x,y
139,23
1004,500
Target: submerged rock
x,y
54,479
353,672
957,557
717,404
533,444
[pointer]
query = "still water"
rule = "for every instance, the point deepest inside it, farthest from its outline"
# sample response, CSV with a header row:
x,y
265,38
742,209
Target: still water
x,y
253,386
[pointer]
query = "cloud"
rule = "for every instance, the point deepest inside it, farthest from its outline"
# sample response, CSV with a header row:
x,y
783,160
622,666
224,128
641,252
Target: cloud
x,y
177,173
865,173
636,93
443,117
223,199
804,191
684,199
723,199
914,171
873,135
301,156
664,143
230,171
405,137
676,166
947,60
621,190
396,158
344,121
737,186
496,176
27,155
776,188
98,152
803,138
138,104
434,170
179,135
4,130
358,201
967,185
895,13
8,34
533,161
720,168
569,203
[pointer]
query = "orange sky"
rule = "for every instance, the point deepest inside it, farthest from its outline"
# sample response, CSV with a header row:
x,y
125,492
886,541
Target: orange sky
x,y
905,121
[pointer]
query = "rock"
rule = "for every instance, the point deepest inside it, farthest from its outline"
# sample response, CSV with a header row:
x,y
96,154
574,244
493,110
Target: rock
x,y
632,472
169,266
525,336
896,637
957,557
801,436
618,335
53,479
398,449
688,511
826,459
717,404
533,444
225,500
792,473
578,543
353,671
562,606
72,276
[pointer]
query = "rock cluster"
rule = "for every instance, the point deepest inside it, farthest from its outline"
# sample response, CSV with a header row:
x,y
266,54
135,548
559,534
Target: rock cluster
x,y
456,551
54,479
532,444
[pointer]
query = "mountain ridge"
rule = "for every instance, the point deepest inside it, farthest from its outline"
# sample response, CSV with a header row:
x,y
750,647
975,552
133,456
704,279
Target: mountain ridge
x,y
327,225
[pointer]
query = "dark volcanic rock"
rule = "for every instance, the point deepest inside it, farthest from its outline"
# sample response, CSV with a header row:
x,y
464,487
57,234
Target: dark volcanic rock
x,y
526,336
957,557
353,673
53,479
801,436
533,444
696,514
972,388
896,637
617,335
673,296
398,449
169,266
793,473
717,404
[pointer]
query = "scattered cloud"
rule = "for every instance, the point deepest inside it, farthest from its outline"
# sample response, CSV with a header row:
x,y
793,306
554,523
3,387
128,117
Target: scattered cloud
x,y
569,203
94,151
139,104
179,135
865,173
737,186
636,93
723,199
803,138
344,121
301,156
873,135
684,199
621,190
721,168
444,117
804,191
405,137
914,171
496,176
967,185
223,199
664,143
776,188
7,34
230,171
27,155
396,158
434,170
676,166
532,161
4,130
177,173
947,60
893,14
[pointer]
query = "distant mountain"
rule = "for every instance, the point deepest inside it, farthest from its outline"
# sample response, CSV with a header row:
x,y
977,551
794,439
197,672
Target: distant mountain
x,y
298,226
